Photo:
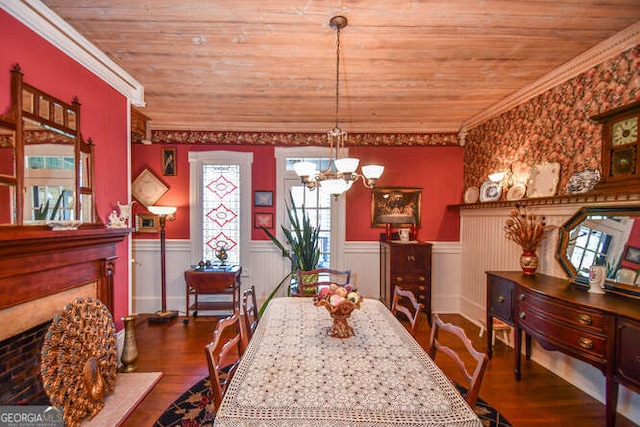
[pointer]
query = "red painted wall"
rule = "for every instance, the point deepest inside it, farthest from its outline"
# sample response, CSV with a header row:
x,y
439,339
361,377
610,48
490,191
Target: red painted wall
x,y
149,156
438,170
103,119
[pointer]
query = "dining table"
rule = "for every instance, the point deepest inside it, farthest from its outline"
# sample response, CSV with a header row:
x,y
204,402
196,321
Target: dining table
x,y
293,374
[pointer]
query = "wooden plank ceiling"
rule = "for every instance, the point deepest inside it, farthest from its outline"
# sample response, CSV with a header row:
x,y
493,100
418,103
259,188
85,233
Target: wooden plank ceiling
x,y
406,66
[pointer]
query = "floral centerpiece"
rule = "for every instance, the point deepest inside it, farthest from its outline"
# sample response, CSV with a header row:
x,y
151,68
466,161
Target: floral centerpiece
x,y
340,301
527,230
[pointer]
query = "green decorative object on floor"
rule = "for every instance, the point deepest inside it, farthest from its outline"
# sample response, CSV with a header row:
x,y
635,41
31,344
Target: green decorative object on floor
x,y
194,408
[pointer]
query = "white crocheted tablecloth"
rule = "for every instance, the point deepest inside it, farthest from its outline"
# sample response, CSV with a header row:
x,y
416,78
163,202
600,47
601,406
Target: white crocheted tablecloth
x,y
293,374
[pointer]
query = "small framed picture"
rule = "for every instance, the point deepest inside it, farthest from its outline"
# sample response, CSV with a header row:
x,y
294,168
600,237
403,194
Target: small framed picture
x,y
147,223
632,255
169,162
263,198
263,220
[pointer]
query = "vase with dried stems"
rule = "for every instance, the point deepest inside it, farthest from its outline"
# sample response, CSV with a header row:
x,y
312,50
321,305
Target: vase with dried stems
x,y
527,230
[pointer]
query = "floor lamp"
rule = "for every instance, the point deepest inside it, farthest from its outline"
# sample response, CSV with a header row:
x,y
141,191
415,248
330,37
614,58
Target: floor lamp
x,y
166,213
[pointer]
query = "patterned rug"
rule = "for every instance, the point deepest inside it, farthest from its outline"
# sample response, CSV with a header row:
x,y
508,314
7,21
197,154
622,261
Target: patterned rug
x,y
193,409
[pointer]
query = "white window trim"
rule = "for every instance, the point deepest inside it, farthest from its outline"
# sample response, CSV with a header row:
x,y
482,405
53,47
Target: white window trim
x,y
338,218
196,160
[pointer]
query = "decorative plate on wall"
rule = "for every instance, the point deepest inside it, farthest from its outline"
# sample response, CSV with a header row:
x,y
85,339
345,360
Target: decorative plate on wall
x,y
490,191
584,181
543,180
516,192
471,194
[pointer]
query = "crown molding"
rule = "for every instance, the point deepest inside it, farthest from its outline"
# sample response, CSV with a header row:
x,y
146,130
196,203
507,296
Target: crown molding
x,y
615,45
48,25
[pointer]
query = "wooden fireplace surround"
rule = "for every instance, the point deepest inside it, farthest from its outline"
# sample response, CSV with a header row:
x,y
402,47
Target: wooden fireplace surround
x,y
36,262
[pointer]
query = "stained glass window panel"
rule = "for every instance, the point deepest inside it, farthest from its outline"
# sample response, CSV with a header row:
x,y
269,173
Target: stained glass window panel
x,y
221,211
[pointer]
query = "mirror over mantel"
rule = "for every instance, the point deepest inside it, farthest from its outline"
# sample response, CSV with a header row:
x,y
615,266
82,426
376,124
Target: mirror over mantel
x,y
608,236
46,168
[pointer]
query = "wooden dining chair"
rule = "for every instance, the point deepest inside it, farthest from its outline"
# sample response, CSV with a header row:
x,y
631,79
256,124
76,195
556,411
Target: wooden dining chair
x,y
223,355
405,302
250,311
308,281
474,380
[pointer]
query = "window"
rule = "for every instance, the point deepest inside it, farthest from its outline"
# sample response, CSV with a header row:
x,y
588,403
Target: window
x,y
220,200
326,211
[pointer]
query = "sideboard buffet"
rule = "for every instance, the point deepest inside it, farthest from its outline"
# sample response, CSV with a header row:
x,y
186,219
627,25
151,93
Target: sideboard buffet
x,y
602,330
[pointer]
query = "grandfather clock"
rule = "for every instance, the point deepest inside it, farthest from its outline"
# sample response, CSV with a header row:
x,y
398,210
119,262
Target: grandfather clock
x,y
620,161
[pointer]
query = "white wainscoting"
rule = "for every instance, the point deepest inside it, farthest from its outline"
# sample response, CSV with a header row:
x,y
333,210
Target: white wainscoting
x,y
485,248
265,268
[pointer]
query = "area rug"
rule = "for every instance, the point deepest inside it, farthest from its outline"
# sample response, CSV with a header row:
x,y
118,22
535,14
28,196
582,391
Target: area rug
x,y
194,408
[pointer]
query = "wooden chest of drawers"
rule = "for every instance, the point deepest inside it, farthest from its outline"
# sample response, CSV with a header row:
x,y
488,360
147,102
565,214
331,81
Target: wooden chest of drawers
x,y
407,265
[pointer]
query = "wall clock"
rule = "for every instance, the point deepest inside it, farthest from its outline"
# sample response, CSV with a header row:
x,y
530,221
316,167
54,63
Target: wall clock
x,y
620,162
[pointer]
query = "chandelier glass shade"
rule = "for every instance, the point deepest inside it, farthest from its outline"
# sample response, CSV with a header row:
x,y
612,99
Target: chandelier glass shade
x,y
341,172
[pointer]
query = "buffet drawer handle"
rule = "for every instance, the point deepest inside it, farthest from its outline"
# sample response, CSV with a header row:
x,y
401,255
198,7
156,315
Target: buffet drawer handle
x,y
500,298
522,315
422,288
584,319
521,296
399,279
422,278
411,258
586,343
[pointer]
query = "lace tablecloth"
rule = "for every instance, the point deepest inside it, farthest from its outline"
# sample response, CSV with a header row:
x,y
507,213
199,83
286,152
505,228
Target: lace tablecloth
x,y
293,374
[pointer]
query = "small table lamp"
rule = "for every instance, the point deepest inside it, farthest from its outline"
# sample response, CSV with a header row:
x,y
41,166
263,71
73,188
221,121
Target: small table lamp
x,y
166,213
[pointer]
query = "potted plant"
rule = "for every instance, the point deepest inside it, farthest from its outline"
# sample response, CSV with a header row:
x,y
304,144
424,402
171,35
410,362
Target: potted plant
x,y
300,246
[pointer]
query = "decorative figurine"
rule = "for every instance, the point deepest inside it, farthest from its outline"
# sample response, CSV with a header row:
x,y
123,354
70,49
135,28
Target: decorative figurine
x,y
120,220
221,253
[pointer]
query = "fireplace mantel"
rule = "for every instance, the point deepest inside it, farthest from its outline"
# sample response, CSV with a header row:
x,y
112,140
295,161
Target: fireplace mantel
x,y
36,262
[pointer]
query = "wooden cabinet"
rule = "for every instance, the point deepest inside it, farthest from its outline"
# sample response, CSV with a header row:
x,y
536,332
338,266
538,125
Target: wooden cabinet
x,y
407,265
602,330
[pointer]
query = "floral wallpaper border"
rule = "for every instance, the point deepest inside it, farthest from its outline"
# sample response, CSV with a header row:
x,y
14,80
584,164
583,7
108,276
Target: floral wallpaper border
x,y
555,126
300,139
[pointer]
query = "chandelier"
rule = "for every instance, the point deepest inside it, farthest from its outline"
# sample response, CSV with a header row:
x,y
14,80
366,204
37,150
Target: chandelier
x,y
341,171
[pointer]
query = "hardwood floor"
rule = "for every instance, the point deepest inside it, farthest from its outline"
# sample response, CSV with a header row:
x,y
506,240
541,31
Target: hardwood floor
x,y
539,399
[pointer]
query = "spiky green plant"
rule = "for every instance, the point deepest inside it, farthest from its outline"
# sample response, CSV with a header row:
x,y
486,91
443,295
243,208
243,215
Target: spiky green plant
x,y
301,245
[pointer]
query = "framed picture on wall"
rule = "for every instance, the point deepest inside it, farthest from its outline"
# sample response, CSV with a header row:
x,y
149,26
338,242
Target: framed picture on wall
x,y
169,162
632,255
398,206
263,220
147,223
263,198
147,188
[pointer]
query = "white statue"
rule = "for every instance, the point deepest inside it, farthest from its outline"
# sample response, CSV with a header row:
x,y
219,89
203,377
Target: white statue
x,y
120,220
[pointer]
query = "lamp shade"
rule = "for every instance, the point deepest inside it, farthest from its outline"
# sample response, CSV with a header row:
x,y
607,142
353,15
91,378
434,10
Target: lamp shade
x,y
162,210
496,177
304,169
347,165
372,171
336,186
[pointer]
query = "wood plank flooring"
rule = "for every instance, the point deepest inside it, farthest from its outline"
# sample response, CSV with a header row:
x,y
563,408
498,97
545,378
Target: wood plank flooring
x,y
539,399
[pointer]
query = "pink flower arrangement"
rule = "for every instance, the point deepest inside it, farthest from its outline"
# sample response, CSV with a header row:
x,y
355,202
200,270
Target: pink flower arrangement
x,y
336,294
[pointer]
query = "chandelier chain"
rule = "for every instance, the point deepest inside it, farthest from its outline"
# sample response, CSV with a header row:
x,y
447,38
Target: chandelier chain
x,y
337,75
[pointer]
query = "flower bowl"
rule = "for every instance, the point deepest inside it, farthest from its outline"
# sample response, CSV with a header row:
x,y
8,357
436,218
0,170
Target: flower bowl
x,y
340,309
